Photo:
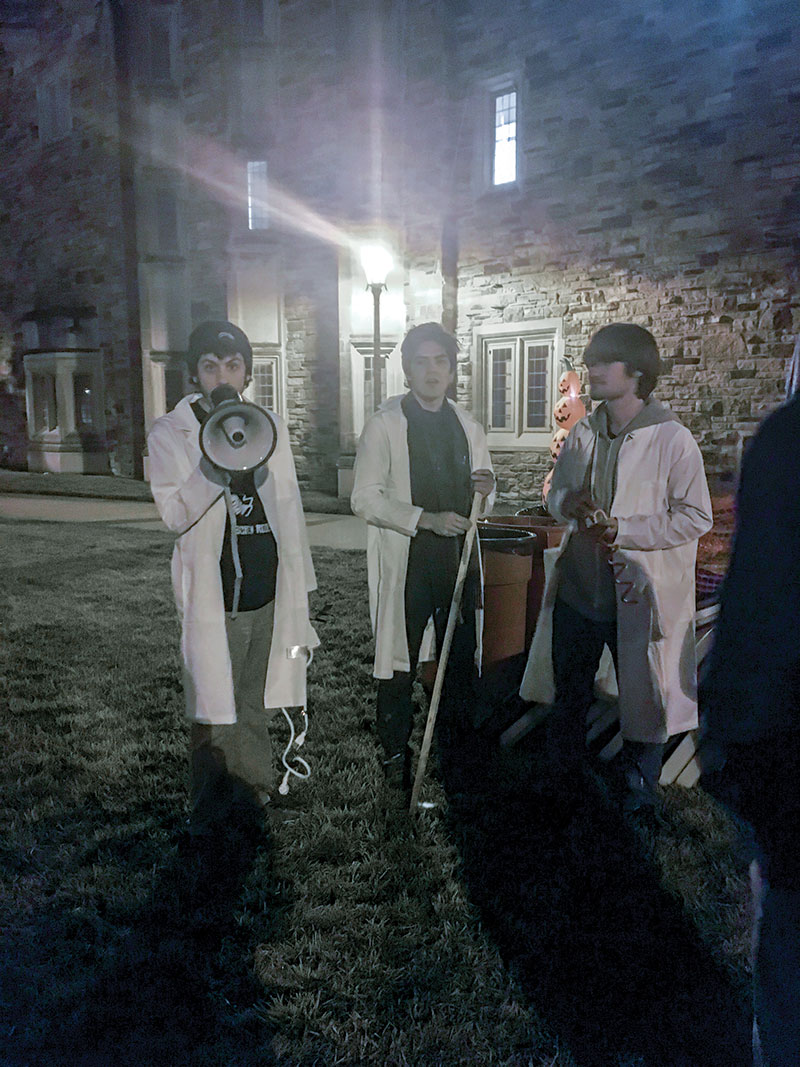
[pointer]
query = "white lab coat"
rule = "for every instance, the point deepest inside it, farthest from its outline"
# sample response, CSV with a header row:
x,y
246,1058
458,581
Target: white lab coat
x,y
663,506
382,496
194,508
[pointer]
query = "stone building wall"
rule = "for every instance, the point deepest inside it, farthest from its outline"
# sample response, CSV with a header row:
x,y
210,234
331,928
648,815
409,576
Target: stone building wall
x,y
660,185
60,219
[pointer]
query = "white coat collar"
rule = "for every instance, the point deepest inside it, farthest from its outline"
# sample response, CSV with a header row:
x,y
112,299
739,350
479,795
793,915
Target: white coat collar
x,y
184,416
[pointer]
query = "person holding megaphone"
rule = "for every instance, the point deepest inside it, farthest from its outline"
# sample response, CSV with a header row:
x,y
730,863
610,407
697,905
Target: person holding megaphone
x,y
223,479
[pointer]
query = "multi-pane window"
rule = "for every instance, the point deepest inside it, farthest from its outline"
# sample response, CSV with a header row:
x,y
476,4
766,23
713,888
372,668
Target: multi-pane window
x,y
504,154
257,208
517,374
252,16
167,230
161,214
366,350
162,25
82,392
265,387
501,386
54,107
537,361
45,416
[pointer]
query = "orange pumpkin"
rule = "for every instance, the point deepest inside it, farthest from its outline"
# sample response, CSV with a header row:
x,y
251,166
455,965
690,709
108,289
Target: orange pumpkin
x,y
546,485
568,411
569,384
557,443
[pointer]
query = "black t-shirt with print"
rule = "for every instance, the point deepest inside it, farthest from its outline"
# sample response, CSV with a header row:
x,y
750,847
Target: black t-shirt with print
x,y
258,550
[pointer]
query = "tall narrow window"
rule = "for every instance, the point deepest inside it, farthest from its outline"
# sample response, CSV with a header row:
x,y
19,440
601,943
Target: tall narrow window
x,y
163,41
252,19
82,387
257,210
504,168
538,358
53,99
265,388
45,416
167,232
501,370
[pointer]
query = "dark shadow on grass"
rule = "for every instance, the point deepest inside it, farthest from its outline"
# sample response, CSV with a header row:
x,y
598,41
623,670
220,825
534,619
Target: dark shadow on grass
x,y
179,989
606,956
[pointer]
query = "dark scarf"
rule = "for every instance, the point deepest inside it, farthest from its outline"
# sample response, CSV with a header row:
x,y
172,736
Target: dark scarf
x,y
438,455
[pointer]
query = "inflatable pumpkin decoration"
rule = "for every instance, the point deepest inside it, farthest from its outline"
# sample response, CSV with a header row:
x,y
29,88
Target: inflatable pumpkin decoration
x,y
546,484
568,411
569,384
557,443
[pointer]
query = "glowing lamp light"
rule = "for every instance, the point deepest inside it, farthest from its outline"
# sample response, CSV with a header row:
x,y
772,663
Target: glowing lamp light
x,y
377,262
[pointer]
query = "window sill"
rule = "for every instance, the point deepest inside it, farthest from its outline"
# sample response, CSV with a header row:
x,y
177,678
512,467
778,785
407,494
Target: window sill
x,y
520,445
500,192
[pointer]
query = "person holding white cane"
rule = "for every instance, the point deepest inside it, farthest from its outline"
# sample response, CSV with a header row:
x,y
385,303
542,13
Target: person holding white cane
x,y
420,459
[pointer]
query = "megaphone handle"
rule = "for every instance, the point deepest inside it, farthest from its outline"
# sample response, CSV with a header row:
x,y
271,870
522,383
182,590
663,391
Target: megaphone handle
x,y
237,563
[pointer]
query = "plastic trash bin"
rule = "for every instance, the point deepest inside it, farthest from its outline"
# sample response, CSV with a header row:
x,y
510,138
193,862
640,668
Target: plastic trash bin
x,y
507,553
547,533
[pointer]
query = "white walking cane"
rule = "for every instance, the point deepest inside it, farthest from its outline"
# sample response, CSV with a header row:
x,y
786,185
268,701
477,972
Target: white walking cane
x,y
452,618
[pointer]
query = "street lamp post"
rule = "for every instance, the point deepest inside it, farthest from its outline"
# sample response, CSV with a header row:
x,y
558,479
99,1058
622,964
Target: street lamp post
x,y
377,261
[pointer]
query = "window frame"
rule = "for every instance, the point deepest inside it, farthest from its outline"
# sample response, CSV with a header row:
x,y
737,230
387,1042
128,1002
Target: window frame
x,y
261,215
54,107
495,97
487,92
520,337
265,355
159,190
44,403
168,11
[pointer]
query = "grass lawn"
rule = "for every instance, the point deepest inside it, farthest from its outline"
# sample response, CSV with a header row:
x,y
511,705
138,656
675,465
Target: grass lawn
x,y
516,927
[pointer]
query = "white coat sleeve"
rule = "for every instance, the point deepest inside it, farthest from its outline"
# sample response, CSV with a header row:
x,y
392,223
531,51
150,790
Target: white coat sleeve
x,y
372,498
182,495
687,515
482,460
568,476
289,498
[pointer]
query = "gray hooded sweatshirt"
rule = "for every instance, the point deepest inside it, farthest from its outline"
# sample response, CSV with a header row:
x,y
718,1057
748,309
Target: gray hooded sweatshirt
x,y
586,581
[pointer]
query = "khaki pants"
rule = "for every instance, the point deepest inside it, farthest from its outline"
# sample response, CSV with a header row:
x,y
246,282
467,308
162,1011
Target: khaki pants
x,y
235,761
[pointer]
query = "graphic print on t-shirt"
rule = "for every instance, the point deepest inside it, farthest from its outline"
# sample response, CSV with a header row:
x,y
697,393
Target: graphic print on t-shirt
x,y
242,505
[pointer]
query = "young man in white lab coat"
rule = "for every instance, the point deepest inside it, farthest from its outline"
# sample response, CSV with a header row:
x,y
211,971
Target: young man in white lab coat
x,y
239,665
420,459
627,580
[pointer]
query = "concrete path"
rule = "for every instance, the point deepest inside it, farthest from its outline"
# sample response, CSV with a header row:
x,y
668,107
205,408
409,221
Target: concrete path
x,y
324,531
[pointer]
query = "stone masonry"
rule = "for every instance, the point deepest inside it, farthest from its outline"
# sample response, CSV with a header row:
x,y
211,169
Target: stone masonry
x,y
658,183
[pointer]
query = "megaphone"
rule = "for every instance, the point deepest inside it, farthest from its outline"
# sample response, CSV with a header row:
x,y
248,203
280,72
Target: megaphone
x,y
237,436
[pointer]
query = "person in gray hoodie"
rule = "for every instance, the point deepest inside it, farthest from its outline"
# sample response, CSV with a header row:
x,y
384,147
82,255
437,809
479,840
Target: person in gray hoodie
x,y
630,484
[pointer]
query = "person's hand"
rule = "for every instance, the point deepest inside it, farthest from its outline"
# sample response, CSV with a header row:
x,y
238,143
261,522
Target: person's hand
x,y
578,504
600,527
482,482
605,531
443,523
213,473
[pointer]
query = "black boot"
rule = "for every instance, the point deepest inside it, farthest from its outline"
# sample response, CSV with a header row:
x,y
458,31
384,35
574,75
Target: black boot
x,y
397,781
642,771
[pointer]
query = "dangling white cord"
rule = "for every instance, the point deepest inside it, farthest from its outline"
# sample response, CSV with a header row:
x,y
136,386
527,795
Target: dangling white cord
x,y
297,741
305,771
237,565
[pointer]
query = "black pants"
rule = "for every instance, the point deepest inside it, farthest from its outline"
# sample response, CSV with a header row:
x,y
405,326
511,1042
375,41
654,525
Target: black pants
x,y
429,591
578,644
